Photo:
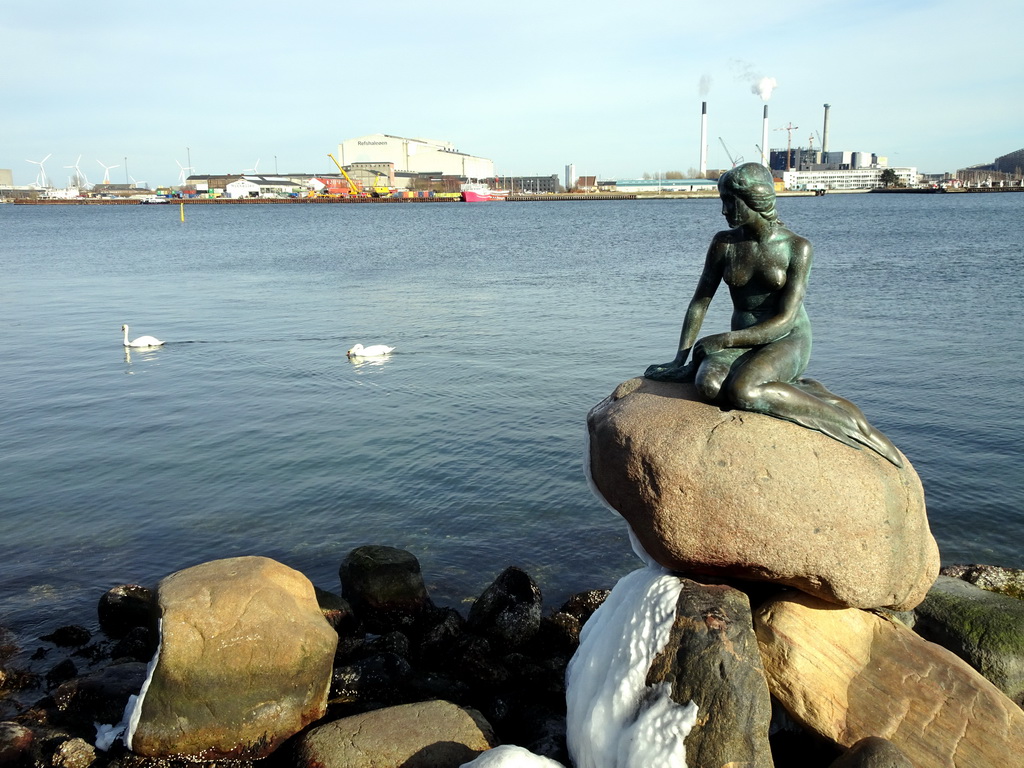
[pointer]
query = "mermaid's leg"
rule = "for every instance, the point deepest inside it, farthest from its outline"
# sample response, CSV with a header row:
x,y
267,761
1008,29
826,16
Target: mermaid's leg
x,y
871,437
761,383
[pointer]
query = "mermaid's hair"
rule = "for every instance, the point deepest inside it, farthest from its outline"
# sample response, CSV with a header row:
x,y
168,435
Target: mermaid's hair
x,y
753,184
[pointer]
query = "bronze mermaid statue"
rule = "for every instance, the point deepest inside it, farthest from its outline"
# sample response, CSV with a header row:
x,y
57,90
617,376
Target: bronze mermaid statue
x,y
758,365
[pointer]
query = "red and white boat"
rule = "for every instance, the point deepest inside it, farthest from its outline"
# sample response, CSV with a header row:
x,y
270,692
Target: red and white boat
x,y
481,193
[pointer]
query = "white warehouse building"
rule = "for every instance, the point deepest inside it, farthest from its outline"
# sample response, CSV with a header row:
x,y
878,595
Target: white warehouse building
x,y
414,156
856,178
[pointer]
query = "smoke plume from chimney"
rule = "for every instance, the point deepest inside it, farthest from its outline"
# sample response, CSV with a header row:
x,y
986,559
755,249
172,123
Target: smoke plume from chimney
x,y
764,87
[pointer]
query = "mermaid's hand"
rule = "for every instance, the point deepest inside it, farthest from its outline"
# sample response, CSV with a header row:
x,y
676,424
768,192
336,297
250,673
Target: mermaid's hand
x,y
709,345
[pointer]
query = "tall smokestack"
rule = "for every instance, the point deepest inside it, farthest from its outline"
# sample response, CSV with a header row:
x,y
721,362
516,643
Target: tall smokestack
x,y
764,138
703,139
824,133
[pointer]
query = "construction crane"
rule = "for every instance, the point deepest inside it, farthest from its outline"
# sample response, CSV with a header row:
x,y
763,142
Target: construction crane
x,y
729,154
380,188
789,128
354,187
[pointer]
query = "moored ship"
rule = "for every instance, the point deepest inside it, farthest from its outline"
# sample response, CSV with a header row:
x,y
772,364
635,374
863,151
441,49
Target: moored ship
x,y
481,193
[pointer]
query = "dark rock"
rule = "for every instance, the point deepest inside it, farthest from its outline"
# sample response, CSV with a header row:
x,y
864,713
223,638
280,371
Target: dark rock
x,y
100,697
139,644
348,648
69,636
583,604
62,672
472,658
508,612
125,607
337,611
396,643
426,685
712,659
546,736
794,746
985,629
443,627
873,752
15,744
379,678
559,633
385,587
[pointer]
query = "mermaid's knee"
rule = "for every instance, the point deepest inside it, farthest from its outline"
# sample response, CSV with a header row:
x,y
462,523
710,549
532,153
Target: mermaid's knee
x,y
709,384
747,397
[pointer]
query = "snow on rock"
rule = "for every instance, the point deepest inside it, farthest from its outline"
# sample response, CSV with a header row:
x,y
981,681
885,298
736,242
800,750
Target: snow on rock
x,y
509,756
614,719
107,734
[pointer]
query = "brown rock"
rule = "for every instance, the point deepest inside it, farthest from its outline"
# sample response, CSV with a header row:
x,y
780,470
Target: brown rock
x,y
985,629
712,659
15,742
733,493
245,662
848,674
432,734
74,753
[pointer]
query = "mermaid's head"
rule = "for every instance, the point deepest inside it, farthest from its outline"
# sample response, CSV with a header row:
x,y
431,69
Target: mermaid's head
x,y
753,184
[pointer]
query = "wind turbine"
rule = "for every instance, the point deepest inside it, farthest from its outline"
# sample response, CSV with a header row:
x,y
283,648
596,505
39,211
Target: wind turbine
x,y
106,171
182,175
78,180
41,180
254,168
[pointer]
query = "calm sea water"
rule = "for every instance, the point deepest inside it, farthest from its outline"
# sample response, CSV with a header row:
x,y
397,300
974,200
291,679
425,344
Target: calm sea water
x,y
251,433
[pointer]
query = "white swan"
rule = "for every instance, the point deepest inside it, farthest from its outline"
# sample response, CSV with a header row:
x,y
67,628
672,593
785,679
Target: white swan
x,y
376,350
142,341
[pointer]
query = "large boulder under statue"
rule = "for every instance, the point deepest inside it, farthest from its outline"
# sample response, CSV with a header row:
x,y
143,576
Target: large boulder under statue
x,y
744,495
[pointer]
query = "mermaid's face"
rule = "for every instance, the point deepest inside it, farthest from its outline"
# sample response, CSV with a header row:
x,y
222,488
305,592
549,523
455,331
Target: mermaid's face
x,y
736,212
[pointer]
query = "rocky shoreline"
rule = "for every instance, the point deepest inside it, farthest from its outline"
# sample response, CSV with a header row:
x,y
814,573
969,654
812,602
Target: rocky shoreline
x,y
398,655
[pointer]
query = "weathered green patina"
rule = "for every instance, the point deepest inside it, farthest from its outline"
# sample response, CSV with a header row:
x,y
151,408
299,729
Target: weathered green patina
x,y
758,364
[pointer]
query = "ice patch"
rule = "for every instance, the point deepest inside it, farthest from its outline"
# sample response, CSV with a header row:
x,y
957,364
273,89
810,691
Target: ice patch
x,y
508,756
614,719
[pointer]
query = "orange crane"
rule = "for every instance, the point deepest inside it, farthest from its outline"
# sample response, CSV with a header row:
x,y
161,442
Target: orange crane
x,y
356,189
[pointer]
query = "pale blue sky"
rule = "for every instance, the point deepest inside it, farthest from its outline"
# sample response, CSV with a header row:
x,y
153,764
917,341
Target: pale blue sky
x,y
613,87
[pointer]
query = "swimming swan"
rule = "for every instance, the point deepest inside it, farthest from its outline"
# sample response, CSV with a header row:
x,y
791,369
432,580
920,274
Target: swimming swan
x,y
377,350
142,341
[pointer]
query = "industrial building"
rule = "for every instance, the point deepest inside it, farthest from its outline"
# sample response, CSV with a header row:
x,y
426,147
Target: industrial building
x,y
657,186
529,185
415,156
1004,169
810,169
846,178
